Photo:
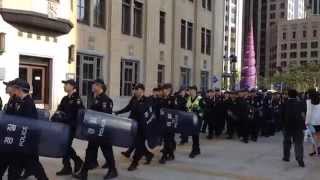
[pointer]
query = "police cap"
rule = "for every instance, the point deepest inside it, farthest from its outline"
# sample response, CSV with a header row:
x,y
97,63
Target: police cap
x,y
72,82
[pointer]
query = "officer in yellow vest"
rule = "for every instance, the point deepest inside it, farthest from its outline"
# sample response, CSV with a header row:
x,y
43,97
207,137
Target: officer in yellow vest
x,y
194,104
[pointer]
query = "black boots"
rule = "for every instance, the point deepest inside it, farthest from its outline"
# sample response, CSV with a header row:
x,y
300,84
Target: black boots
x,y
112,173
133,166
193,154
65,171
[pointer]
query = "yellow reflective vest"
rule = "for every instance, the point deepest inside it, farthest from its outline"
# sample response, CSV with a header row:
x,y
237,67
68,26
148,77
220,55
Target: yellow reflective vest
x,y
193,105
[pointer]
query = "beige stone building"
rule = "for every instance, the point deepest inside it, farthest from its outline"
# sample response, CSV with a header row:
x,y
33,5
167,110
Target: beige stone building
x,y
148,41
37,41
298,42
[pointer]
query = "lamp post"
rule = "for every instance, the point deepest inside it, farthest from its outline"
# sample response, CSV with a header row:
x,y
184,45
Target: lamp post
x,y
230,71
233,69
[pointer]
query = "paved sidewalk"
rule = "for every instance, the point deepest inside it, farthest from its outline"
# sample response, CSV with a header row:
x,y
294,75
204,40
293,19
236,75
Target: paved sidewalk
x,y
220,160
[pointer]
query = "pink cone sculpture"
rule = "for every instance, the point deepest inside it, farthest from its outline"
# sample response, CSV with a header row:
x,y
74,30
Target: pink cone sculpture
x,y
248,71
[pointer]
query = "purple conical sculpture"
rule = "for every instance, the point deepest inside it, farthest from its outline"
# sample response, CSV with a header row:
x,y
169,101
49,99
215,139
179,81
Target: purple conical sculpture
x,y
248,71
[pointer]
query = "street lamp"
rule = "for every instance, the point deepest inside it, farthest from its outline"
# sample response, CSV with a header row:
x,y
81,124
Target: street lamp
x,y
233,67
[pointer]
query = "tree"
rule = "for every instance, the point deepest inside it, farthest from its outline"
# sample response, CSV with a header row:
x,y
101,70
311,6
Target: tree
x,y
299,77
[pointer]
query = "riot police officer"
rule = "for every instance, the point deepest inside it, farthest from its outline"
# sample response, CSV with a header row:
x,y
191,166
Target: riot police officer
x,y
142,109
102,103
180,104
129,108
9,108
70,105
209,105
168,102
25,107
194,104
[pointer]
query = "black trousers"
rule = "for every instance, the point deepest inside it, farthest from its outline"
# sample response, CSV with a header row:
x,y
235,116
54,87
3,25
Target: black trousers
x,y
71,153
4,164
230,127
295,138
254,128
169,143
219,125
140,149
91,154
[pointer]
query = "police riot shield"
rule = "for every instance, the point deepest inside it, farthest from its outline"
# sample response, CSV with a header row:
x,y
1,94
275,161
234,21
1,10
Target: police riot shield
x,y
153,128
186,123
31,136
104,127
43,114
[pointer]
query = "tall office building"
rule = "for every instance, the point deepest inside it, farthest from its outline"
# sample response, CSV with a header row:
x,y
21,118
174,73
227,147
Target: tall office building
x,y
313,7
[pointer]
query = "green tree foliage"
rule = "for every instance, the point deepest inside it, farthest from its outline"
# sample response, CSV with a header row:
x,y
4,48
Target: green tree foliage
x,y
299,77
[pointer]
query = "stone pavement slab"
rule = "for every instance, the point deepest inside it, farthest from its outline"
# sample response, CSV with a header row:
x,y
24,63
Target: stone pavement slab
x,y
221,159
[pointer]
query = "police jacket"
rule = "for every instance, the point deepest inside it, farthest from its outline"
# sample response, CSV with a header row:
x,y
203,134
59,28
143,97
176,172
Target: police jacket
x,y
26,107
10,107
130,108
180,103
102,103
70,106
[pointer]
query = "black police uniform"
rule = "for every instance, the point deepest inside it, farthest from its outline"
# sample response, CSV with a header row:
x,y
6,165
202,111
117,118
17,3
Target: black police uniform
x,y
258,115
70,105
277,113
242,113
169,143
9,108
268,124
133,115
102,103
220,115
208,114
180,104
25,107
142,107
231,119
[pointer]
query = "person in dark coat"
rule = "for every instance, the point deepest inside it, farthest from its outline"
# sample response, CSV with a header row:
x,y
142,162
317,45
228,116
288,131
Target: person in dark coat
x,y
169,144
142,110
220,114
293,127
70,106
102,103
25,107
181,105
208,112
132,115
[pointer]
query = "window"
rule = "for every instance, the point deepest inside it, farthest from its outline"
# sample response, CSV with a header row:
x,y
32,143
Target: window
x,y
209,5
185,77
293,55
183,34
99,13
190,36
273,7
208,42
128,77
204,86
314,44
272,15
283,55
137,24
282,5
284,36
203,40
161,74
304,34
304,45
283,64
204,3
293,35
83,13
293,46
315,33
314,53
283,46
162,30
126,17
89,68
303,54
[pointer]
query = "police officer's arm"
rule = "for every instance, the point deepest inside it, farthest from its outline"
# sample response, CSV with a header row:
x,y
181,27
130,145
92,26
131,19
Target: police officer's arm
x,y
125,109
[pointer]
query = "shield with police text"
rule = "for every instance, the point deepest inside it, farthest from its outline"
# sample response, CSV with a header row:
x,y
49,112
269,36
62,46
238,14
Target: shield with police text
x,y
186,123
108,128
153,128
30,136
